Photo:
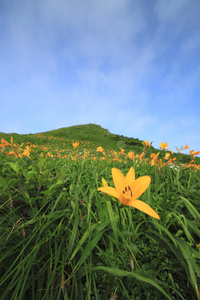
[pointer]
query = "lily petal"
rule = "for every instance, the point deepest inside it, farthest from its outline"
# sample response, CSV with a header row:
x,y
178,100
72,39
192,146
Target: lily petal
x,y
112,192
104,182
140,185
143,207
130,176
119,180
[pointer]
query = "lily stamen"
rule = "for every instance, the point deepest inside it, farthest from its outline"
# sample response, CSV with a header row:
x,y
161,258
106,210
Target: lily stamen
x,y
127,190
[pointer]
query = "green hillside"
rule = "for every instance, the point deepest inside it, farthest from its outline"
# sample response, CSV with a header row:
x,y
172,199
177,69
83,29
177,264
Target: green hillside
x,y
96,136
99,136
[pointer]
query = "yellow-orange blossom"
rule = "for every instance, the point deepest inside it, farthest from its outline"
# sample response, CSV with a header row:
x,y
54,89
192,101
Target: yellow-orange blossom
x,y
127,190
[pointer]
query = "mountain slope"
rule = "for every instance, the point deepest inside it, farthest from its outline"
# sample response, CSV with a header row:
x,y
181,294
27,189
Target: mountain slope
x,y
97,136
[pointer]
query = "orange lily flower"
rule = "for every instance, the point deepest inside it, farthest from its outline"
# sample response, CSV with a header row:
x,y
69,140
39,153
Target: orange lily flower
x,y
131,154
154,158
100,149
192,152
186,147
127,190
75,145
141,156
122,151
4,143
27,151
146,143
12,153
163,145
167,155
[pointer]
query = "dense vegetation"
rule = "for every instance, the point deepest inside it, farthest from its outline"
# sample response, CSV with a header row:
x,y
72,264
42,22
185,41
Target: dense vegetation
x,y
63,239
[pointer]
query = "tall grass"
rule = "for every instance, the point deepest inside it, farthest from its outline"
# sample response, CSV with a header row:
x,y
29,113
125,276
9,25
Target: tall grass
x,y
62,239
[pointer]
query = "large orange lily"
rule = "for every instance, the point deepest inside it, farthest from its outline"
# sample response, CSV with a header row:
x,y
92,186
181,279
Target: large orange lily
x,y
127,190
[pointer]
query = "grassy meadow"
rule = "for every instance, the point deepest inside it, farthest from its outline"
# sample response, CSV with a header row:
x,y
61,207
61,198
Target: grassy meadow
x,y
61,238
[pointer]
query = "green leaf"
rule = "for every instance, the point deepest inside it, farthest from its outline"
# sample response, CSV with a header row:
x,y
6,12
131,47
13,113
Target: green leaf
x,y
117,272
14,166
30,174
98,227
2,182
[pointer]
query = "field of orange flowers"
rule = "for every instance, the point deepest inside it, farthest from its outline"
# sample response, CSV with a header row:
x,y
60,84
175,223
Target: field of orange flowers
x,y
82,222
63,150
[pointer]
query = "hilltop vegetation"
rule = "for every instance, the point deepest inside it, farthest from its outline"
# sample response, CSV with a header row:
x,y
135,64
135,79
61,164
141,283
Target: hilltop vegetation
x,y
98,135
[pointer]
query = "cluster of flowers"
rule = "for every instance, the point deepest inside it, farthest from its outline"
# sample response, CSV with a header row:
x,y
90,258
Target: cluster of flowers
x,y
46,151
15,149
154,158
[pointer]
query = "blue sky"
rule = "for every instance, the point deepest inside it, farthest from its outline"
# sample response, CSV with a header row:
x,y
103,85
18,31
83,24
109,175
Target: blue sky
x,y
131,66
